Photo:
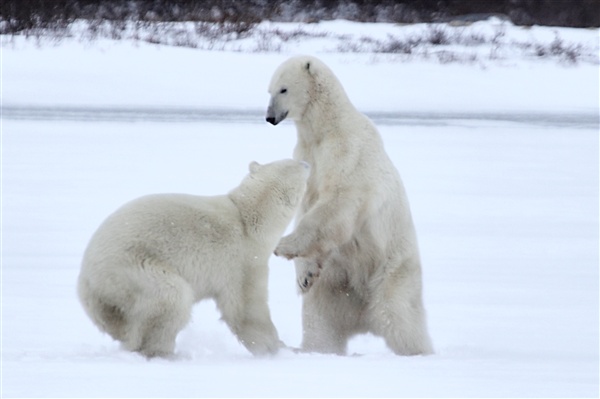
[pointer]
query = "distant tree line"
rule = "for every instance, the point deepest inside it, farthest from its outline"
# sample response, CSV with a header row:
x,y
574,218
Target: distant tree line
x,y
18,15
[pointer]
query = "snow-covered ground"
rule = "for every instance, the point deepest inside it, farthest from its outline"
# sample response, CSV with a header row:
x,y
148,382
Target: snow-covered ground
x,y
499,158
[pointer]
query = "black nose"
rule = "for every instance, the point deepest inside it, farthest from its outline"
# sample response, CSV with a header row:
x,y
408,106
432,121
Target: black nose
x,y
271,120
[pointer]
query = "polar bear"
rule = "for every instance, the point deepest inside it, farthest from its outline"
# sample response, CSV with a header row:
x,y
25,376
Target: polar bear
x,y
156,256
354,244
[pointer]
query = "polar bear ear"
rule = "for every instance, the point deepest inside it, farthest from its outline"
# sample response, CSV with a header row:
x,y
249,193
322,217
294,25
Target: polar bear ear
x,y
310,68
254,166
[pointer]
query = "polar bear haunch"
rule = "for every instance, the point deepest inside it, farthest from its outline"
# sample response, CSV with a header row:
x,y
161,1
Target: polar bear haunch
x,y
152,259
354,245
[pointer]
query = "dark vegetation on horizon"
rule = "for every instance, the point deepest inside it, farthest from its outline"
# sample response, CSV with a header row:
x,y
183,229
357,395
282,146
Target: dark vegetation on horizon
x,y
23,15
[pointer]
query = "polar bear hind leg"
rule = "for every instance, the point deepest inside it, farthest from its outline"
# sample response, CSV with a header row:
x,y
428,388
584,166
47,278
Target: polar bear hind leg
x,y
327,329
158,315
397,314
144,310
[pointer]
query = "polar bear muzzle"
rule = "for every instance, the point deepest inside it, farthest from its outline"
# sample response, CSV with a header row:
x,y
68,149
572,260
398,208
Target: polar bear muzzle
x,y
274,119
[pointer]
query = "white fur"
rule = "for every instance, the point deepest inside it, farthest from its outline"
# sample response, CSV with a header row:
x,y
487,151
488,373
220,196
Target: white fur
x,y
354,244
152,259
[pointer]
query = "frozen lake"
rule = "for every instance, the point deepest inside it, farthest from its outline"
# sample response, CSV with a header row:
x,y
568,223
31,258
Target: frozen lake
x,y
505,205
223,115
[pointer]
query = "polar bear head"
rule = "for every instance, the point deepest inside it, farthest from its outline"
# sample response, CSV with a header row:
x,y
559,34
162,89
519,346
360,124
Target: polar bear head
x,y
278,185
298,84
270,195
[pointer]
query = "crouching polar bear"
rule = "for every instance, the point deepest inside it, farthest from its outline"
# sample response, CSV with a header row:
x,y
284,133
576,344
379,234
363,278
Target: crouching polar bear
x,y
354,244
152,259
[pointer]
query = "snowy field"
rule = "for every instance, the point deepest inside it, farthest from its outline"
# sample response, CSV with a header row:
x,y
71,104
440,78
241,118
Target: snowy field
x,y
499,159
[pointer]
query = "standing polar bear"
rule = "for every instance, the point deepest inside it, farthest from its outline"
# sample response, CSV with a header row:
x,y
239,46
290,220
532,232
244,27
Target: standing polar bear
x,y
152,259
354,245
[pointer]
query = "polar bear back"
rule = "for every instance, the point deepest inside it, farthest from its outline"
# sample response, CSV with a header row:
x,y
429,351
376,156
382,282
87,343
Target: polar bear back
x,y
182,232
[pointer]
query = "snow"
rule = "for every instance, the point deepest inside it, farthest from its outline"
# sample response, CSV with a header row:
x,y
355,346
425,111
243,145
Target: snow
x,y
500,162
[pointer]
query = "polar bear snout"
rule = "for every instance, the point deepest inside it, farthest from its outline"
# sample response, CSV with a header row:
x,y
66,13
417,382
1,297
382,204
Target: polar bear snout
x,y
274,118
276,112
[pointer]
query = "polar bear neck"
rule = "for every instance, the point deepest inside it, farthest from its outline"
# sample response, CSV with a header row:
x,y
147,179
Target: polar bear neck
x,y
326,113
262,217
327,94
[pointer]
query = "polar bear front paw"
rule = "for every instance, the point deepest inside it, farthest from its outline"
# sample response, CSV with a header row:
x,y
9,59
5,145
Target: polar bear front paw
x,y
306,282
307,272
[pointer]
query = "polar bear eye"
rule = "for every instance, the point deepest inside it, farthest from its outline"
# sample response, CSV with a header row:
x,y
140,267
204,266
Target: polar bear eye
x,y
282,91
